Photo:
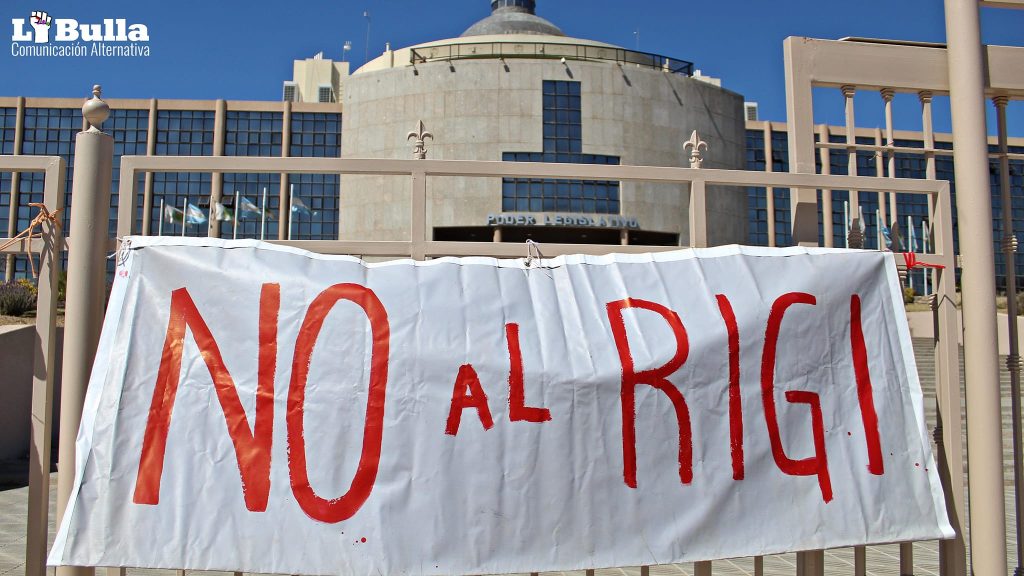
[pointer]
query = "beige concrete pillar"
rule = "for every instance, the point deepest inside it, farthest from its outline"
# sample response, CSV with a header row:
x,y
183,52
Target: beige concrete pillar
x,y
147,193
854,238
769,202
799,106
90,213
883,209
927,128
890,142
284,193
826,195
974,210
220,118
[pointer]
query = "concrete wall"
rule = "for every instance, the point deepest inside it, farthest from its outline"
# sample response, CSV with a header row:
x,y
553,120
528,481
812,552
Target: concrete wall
x,y
478,109
17,345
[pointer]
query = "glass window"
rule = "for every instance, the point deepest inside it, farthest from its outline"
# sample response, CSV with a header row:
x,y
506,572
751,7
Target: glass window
x,y
563,142
253,134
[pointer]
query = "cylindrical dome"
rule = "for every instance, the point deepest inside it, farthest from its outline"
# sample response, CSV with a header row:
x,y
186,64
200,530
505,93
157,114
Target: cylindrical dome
x,y
513,17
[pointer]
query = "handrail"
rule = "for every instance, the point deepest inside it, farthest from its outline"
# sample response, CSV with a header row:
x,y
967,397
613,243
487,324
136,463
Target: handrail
x,y
547,50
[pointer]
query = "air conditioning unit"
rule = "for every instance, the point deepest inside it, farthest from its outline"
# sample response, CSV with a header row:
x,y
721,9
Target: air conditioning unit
x,y
325,93
291,92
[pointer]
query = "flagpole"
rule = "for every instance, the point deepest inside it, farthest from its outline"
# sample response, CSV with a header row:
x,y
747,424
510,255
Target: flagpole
x,y
291,193
184,216
846,224
878,231
160,225
263,215
235,217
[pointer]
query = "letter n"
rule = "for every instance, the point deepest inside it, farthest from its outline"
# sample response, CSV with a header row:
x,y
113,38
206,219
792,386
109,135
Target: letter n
x,y
252,445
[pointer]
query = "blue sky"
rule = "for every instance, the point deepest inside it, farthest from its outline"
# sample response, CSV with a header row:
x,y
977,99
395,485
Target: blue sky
x,y
244,50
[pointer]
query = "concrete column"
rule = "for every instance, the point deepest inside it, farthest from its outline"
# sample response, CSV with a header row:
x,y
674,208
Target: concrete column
x,y
883,209
217,180
147,194
12,213
927,128
854,238
887,96
286,144
826,195
974,210
929,173
769,201
90,212
799,110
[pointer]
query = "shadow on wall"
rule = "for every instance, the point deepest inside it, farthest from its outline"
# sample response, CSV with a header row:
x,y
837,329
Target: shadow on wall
x,y
16,357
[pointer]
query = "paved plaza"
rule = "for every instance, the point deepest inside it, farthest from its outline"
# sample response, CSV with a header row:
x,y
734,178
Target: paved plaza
x,y
881,560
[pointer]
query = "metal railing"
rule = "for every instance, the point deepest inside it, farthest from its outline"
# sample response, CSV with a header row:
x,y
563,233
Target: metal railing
x,y
420,246
552,50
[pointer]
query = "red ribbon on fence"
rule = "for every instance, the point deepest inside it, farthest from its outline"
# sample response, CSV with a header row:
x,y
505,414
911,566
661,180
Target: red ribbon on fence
x,y
43,217
911,260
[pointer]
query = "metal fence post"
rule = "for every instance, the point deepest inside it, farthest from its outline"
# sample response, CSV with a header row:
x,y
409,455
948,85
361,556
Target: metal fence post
x,y
86,288
1009,241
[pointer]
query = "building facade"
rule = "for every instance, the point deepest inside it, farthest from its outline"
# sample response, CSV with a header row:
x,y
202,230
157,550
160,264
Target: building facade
x,y
767,150
47,126
513,87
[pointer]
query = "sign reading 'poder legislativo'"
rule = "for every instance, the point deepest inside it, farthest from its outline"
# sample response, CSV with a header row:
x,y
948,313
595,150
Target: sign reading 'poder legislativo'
x,y
261,408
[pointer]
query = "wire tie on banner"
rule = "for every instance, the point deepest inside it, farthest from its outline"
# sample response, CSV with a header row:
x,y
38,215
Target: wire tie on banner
x,y
121,254
532,252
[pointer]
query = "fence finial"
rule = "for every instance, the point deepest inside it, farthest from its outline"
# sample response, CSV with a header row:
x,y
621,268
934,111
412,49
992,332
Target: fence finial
x,y
696,146
95,110
419,149
855,235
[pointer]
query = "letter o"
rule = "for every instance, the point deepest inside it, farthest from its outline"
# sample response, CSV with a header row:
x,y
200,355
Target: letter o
x,y
344,507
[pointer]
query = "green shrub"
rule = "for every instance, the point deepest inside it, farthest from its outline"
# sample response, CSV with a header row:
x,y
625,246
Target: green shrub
x,y
908,295
16,299
62,287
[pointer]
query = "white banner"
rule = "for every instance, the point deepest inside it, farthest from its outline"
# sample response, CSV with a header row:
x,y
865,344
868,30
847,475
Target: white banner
x,y
261,408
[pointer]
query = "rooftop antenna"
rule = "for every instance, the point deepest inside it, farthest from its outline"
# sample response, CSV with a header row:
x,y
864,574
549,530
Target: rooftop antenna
x,y
345,49
636,34
366,56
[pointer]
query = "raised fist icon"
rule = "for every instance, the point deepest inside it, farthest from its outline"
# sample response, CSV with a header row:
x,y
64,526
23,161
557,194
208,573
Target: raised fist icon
x,y
40,22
